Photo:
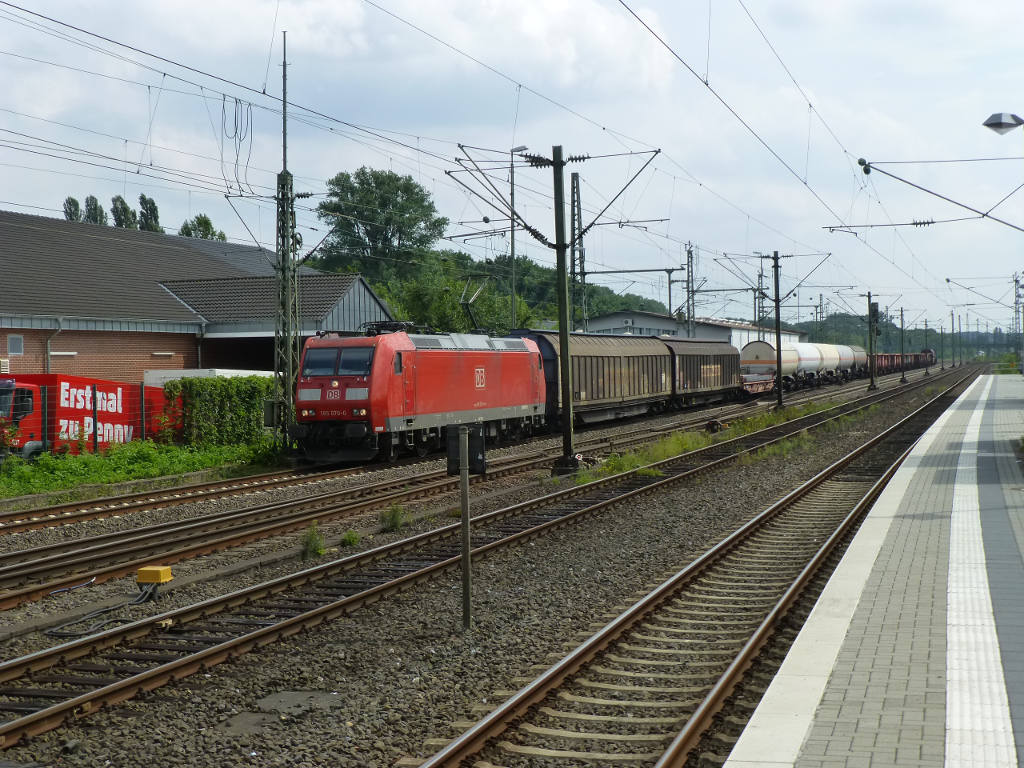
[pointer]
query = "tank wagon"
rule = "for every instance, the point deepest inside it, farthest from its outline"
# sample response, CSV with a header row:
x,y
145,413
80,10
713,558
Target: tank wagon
x,y
805,365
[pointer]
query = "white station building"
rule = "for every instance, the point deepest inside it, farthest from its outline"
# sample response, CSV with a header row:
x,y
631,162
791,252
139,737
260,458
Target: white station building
x,y
704,328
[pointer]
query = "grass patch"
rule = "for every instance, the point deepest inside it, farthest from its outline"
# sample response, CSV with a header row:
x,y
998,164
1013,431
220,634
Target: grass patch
x,y
650,472
313,544
393,518
683,442
350,539
139,459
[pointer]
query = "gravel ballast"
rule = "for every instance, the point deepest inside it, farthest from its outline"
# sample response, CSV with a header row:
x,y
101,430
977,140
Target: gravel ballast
x,y
369,689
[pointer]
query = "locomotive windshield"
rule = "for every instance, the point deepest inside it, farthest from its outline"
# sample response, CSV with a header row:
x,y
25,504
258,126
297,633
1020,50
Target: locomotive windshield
x,y
344,361
320,362
355,361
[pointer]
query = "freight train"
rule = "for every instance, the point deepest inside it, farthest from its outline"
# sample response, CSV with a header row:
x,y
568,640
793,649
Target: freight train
x,y
393,392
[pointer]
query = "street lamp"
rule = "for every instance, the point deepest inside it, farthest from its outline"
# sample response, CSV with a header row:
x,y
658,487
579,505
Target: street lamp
x,y
512,233
1003,123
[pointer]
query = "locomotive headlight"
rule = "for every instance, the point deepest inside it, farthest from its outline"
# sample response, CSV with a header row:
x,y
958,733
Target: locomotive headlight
x,y
358,411
334,383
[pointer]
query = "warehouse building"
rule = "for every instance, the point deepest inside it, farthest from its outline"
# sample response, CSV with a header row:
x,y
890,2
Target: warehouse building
x,y
101,301
735,332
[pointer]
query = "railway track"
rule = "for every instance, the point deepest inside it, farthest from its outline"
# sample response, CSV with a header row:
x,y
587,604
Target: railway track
x,y
19,521
31,574
645,688
41,690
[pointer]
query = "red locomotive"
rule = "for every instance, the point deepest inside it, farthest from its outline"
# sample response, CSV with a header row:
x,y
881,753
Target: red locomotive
x,y
363,396
392,391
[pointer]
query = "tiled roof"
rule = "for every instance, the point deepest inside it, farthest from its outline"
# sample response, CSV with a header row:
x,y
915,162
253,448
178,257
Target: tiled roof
x,y
52,267
248,258
255,298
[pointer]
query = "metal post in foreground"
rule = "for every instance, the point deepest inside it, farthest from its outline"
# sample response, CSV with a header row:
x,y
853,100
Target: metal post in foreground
x,y
467,609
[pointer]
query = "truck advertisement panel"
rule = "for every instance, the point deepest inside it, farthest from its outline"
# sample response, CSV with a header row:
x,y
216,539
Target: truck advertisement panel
x,y
77,410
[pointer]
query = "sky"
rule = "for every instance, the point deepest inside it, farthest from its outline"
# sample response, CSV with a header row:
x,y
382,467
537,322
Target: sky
x,y
760,112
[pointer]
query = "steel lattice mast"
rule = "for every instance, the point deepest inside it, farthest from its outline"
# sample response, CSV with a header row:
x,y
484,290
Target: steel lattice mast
x,y
286,327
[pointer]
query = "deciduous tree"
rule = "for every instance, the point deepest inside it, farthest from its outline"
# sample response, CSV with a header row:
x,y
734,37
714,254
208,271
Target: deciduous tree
x,y
72,210
380,222
149,216
124,216
200,226
94,213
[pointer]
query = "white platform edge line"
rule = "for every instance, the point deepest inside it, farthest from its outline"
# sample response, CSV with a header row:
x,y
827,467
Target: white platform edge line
x,y
781,722
977,706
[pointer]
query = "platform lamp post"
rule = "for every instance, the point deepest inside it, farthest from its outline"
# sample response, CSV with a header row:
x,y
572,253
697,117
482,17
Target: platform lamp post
x,y
1002,123
512,231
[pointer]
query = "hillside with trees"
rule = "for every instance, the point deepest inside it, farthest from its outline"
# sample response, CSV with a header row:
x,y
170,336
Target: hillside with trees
x,y
385,227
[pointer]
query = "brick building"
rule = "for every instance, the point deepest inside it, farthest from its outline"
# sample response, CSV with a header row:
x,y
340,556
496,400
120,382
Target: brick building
x,y
100,301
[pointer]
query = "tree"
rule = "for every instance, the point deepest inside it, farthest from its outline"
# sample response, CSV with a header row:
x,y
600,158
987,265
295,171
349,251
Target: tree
x,y
124,216
94,213
72,210
200,226
149,216
380,222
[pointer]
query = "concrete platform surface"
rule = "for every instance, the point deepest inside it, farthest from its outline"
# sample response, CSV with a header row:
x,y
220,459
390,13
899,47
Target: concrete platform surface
x,y
914,654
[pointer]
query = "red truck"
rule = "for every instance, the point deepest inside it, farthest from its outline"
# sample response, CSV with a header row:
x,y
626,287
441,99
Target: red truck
x,y
56,412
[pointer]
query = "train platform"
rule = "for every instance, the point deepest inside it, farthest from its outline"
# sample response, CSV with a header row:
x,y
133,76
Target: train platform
x,y
914,653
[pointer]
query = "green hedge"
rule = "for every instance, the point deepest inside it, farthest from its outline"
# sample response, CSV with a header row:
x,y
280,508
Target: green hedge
x,y
218,411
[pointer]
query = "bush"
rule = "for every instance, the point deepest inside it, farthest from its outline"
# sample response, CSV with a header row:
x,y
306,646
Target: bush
x,y
313,543
393,518
350,539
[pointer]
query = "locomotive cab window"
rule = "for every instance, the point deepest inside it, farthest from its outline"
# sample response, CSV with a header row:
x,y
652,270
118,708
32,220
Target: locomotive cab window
x,y
319,361
355,361
398,362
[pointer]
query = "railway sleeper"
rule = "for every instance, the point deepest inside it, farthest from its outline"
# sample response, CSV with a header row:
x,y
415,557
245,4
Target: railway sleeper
x,y
73,680
601,758
151,658
42,693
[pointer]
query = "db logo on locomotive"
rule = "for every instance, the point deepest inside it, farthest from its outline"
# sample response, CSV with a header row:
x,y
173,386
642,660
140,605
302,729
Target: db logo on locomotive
x,y
481,378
